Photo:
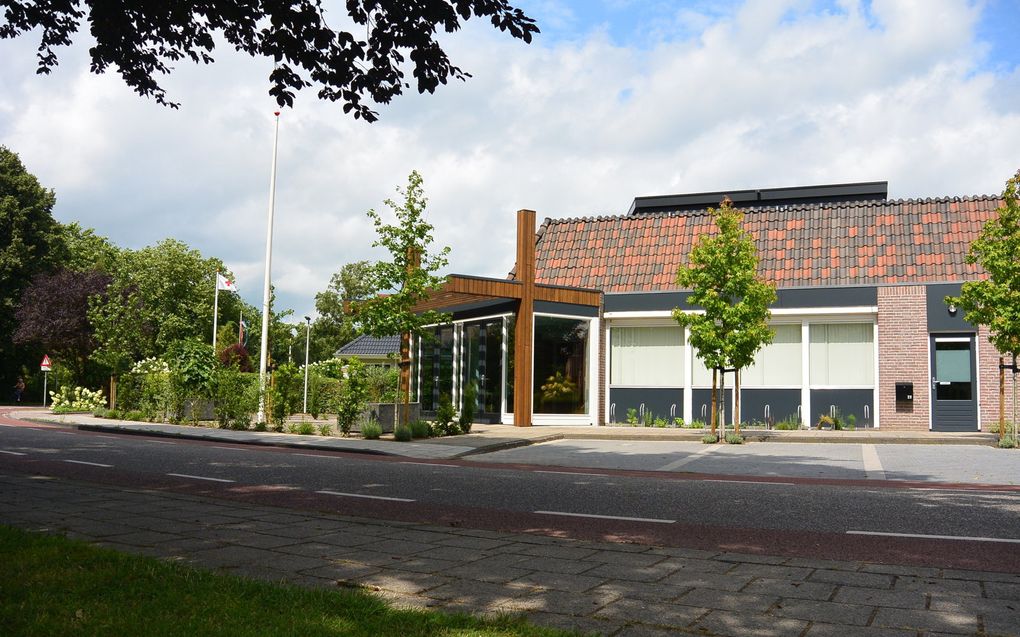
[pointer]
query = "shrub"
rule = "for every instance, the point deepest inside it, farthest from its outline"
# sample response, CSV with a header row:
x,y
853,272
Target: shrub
x,y
326,429
382,383
134,415
679,422
68,399
352,398
193,362
790,423
292,428
236,397
467,413
696,424
261,426
236,355
1007,442
660,423
307,428
444,424
371,430
161,396
420,429
632,416
649,419
288,391
851,422
710,439
734,439
402,433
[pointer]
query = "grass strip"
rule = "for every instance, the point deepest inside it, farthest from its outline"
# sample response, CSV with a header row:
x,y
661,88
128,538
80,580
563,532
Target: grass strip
x,y
52,586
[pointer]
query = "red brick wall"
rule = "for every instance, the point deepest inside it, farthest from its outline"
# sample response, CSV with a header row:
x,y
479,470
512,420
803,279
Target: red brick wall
x,y
988,379
903,357
600,411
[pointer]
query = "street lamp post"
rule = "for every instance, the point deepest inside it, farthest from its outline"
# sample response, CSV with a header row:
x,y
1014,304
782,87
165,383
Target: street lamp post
x,y
308,340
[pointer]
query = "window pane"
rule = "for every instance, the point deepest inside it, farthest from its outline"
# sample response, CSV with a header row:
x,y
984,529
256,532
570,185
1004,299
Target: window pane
x,y
778,363
952,362
842,354
561,366
647,356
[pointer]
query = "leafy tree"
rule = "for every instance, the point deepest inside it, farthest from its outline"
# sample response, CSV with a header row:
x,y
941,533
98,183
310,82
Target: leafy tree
x,y
995,302
407,278
353,395
54,315
144,40
29,245
84,250
336,324
159,295
722,275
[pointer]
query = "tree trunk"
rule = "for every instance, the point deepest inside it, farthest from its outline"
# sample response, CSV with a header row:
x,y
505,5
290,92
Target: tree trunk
x,y
722,403
715,372
1002,398
736,397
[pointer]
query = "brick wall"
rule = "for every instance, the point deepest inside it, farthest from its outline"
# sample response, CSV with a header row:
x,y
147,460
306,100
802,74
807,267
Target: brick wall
x,y
988,379
903,357
600,411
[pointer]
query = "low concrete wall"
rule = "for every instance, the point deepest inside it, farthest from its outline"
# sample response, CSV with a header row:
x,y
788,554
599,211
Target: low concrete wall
x,y
382,413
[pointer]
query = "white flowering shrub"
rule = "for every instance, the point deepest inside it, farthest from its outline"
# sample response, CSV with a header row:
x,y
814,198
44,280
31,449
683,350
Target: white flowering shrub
x,y
151,365
77,399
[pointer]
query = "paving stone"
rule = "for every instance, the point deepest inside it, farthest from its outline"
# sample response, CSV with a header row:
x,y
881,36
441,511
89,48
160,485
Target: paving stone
x,y
457,554
347,538
579,604
981,575
1002,623
723,600
414,535
908,571
878,597
790,589
834,565
313,549
258,540
748,558
830,612
584,625
656,592
561,581
771,571
469,591
676,551
726,582
848,578
938,586
1001,590
470,542
839,630
926,620
616,547
555,565
647,612
695,565
626,559
486,574
556,551
291,563
227,556
640,630
421,564
402,582
341,572
733,624
258,572
401,600
652,573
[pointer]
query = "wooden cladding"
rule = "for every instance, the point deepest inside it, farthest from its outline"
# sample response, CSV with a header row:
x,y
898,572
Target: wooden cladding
x,y
461,290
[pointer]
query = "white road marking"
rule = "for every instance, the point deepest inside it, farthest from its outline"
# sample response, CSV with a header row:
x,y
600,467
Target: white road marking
x,y
104,436
13,453
161,442
428,464
314,455
606,517
676,464
872,464
938,537
229,448
11,426
91,464
789,484
185,475
361,495
572,473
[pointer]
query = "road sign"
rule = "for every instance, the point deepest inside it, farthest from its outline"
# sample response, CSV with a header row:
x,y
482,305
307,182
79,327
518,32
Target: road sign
x,y
45,365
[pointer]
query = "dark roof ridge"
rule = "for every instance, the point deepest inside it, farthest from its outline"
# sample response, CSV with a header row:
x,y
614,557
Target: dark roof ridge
x,y
800,206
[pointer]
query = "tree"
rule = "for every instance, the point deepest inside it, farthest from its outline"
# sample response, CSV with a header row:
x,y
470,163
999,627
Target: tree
x,y
407,278
143,41
995,302
54,314
721,273
336,325
29,243
85,251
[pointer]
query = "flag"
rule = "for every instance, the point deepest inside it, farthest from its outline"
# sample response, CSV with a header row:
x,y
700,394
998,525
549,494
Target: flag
x,y
223,283
242,333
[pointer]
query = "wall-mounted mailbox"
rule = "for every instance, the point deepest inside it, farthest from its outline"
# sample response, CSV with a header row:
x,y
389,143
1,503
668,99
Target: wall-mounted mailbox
x,y
904,391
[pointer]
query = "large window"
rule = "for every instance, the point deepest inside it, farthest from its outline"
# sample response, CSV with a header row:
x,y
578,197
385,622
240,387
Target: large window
x,y
842,354
647,356
561,366
778,364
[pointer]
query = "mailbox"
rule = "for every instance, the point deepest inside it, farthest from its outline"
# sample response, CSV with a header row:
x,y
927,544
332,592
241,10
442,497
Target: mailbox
x,y
904,391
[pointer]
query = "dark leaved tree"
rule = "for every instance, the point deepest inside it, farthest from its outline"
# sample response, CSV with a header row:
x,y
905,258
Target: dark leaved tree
x,y
143,40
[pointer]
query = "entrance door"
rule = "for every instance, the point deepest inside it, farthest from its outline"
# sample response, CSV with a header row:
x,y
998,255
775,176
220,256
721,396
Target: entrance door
x,y
953,387
482,364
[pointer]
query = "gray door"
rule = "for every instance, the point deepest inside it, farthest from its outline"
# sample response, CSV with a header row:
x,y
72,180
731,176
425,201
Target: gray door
x,y
953,387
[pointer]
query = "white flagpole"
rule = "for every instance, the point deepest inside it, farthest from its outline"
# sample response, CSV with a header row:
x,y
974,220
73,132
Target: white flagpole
x,y
264,345
240,326
215,308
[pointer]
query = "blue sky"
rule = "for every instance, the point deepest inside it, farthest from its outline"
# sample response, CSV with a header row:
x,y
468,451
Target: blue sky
x,y
615,99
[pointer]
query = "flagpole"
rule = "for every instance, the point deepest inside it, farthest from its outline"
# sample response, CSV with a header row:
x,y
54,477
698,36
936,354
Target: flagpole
x,y
240,325
264,345
216,308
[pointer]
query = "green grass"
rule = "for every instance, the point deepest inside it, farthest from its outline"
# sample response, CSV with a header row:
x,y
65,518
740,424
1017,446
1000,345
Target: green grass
x,y
52,586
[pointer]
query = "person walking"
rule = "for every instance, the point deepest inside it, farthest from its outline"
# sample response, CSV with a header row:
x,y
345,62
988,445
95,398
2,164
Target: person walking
x,y
19,389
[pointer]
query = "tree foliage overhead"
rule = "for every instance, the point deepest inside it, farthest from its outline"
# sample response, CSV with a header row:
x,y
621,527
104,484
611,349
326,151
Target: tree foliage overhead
x,y
143,40
995,301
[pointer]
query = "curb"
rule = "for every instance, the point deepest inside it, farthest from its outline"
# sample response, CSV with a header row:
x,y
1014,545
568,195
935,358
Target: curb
x,y
510,444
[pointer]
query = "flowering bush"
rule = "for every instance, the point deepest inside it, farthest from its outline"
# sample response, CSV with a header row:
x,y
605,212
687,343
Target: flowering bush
x,y
77,399
151,365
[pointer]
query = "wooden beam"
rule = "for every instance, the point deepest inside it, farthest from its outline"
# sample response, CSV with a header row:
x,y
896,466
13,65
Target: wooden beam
x,y
575,296
524,328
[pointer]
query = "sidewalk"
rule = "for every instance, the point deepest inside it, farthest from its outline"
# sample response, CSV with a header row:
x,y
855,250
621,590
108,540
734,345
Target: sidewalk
x,y
624,590
486,438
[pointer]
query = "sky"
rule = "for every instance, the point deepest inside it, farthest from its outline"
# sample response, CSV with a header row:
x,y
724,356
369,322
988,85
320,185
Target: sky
x,y
614,99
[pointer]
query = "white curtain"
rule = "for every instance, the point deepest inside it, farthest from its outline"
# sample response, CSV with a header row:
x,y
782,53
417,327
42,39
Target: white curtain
x,y
842,354
777,364
647,356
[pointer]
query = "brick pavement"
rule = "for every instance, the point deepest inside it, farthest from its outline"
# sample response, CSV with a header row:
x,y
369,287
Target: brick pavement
x,y
623,590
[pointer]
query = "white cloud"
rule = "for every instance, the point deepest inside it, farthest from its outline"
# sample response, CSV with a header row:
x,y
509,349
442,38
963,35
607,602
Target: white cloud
x,y
774,94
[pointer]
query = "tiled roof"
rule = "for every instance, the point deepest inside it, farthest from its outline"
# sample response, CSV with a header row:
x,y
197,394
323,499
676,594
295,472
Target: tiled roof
x,y
366,345
828,244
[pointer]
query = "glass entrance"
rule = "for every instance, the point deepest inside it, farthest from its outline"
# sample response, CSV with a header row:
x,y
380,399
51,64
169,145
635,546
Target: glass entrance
x,y
954,396
482,366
